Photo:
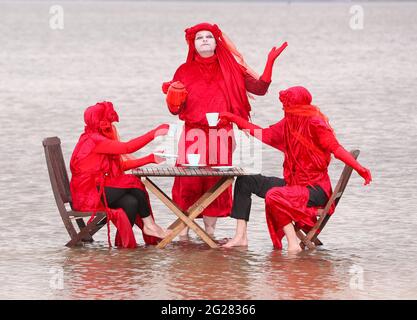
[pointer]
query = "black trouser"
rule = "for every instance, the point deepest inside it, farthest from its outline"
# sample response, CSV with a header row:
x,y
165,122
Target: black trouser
x,y
260,185
133,201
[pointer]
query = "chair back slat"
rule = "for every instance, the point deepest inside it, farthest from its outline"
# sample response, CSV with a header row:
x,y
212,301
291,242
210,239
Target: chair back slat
x,y
334,198
61,189
59,180
344,178
56,168
341,185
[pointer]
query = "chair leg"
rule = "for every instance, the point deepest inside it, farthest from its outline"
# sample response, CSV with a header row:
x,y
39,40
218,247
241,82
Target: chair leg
x,y
302,235
100,225
309,244
317,242
82,225
85,232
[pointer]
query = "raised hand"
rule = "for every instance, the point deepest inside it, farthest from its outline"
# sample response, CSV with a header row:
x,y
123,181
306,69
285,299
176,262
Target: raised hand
x,y
275,52
272,55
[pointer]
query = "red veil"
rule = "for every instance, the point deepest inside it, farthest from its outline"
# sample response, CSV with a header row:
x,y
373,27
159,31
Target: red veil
x,y
298,112
231,63
305,164
91,172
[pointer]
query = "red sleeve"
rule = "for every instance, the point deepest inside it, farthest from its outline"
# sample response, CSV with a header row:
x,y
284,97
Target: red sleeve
x,y
135,163
274,135
324,135
256,86
117,147
111,147
178,75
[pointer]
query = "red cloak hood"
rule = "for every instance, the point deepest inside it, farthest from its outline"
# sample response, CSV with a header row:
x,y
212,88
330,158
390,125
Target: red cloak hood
x,y
232,71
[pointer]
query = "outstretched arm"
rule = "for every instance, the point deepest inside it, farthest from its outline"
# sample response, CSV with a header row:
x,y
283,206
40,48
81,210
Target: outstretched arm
x,y
256,86
273,54
227,117
345,156
272,136
260,86
117,147
135,163
328,141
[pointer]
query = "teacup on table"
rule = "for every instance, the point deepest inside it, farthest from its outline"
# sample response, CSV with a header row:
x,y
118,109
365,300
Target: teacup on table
x,y
193,159
212,118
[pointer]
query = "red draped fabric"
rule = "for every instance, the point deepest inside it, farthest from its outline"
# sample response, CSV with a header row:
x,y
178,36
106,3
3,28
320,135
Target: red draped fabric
x,y
214,84
307,140
92,171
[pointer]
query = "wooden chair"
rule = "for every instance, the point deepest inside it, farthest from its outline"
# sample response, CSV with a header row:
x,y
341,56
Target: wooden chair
x,y
310,239
61,189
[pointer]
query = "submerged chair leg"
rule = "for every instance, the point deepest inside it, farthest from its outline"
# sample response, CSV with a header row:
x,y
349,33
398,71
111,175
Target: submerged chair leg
x,y
81,224
85,232
302,235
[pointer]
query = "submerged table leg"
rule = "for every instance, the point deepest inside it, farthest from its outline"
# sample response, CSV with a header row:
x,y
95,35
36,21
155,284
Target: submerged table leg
x,y
182,221
198,207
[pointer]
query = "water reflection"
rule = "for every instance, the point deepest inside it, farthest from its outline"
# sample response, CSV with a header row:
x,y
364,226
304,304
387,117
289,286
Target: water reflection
x,y
197,272
193,271
105,273
302,276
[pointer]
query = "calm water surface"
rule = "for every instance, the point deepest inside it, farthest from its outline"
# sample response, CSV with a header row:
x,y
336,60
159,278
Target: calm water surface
x,y
364,80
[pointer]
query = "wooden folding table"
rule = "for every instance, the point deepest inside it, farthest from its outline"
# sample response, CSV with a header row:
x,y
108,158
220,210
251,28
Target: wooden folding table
x,y
186,218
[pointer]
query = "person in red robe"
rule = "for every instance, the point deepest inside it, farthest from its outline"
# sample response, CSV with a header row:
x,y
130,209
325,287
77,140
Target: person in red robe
x,y
307,140
99,182
214,78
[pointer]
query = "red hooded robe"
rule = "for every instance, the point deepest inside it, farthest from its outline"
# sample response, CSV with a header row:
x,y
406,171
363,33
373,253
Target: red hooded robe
x,y
92,171
307,140
215,84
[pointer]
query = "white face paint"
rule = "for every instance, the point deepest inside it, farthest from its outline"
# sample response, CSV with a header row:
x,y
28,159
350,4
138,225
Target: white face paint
x,y
204,43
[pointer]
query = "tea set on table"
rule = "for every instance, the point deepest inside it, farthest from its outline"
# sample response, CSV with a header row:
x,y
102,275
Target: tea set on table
x,y
194,158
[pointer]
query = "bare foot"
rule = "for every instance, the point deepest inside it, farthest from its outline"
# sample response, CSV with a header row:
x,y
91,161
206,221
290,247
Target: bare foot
x,y
156,231
241,241
167,232
210,231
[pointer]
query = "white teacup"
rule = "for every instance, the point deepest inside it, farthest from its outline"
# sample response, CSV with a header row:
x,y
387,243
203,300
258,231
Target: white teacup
x,y
193,159
212,118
